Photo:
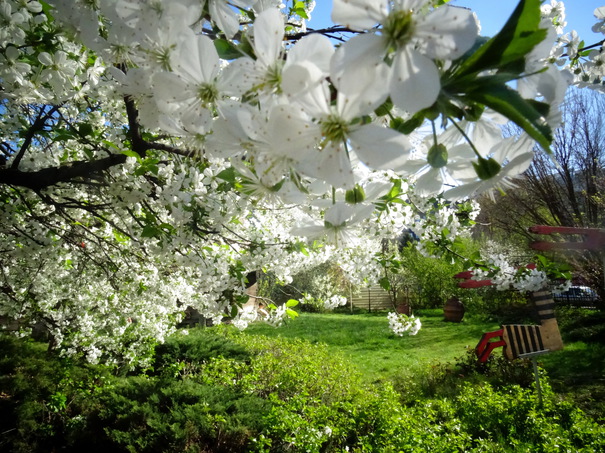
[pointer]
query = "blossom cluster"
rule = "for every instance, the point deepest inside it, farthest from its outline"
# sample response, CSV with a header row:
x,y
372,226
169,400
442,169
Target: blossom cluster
x,y
584,61
400,324
223,138
504,276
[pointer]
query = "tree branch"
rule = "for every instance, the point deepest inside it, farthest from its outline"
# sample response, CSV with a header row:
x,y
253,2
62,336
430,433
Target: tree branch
x,y
40,179
32,131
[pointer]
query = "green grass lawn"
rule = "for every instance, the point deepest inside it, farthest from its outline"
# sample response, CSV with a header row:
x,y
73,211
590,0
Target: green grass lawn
x,y
578,371
368,342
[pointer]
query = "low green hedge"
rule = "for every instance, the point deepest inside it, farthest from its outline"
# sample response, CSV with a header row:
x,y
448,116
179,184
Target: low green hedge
x,y
220,391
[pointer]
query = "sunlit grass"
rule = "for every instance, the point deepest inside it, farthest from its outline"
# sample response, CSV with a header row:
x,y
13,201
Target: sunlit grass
x,y
577,371
368,342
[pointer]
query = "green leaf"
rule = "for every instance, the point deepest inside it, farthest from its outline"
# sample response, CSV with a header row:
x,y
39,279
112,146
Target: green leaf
x,y
509,103
111,145
384,283
85,129
130,153
249,13
473,112
151,231
228,175
149,165
64,134
385,108
508,48
291,313
226,50
292,303
299,9
395,190
407,127
121,238
302,248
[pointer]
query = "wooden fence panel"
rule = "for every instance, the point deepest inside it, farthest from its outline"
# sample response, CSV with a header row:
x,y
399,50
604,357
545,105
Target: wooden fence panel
x,y
373,298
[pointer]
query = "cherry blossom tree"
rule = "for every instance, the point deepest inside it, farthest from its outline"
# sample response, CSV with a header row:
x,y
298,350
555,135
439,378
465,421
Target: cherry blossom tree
x,y
156,154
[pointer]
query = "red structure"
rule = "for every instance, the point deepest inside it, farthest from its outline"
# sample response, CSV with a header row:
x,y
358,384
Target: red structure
x,y
593,238
524,340
519,340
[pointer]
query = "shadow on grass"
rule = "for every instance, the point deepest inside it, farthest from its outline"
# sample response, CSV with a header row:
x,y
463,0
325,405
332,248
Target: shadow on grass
x,y
577,363
578,372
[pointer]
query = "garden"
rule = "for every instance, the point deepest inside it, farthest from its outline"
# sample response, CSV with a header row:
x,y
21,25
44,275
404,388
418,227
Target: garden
x,y
227,228
325,382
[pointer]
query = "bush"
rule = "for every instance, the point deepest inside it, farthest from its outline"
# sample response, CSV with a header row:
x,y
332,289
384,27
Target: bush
x,y
41,396
512,417
219,390
445,379
162,415
183,355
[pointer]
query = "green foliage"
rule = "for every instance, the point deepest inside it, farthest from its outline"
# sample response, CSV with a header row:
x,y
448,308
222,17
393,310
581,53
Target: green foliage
x,y
430,279
512,418
443,379
475,78
318,283
235,392
41,396
183,355
582,324
151,415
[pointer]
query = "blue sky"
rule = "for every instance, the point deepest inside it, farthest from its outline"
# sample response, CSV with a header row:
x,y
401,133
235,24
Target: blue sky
x,y
493,15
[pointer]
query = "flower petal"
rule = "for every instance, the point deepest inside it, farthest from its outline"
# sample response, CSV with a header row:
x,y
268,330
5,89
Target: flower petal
x,y
359,72
429,183
362,51
169,87
415,82
330,164
463,191
224,16
268,35
446,33
291,134
300,77
199,59
315,49
339,213
381,148
359,14
237,77
518,165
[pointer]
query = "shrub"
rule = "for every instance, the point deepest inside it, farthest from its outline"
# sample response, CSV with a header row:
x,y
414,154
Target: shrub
x,y
162,415
242,393
182,355
41,396
512,417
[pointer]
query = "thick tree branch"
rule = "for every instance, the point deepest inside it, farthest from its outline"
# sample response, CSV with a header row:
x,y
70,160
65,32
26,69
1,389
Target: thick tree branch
x,y
41,179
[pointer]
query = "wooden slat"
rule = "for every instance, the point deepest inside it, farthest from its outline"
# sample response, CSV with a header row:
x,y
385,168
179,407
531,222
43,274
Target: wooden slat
x,y
373,298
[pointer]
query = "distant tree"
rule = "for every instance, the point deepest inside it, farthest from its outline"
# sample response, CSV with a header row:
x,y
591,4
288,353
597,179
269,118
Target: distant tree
x,y
564,189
